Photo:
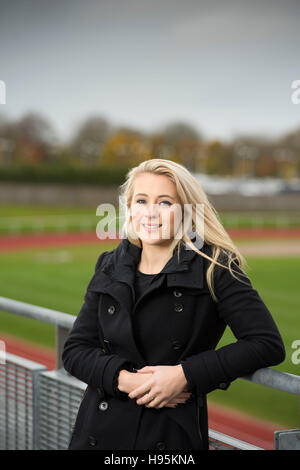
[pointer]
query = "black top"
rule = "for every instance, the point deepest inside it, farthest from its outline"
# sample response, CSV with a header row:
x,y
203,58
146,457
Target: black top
x,y
142,282
140,323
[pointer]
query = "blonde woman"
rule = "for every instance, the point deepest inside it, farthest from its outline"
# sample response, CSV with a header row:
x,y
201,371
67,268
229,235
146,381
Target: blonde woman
x,y
154,311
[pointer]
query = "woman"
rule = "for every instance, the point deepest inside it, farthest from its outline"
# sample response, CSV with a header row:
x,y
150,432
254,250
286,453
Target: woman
x,y
154,311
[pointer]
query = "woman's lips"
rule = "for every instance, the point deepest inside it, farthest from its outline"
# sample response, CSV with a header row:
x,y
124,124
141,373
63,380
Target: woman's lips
x,y
152,227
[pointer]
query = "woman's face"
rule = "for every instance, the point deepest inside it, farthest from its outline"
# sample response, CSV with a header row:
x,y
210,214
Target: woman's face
x,y
155,209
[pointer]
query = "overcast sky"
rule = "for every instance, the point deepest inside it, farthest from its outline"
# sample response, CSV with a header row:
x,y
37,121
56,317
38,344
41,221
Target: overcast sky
x,y
224,66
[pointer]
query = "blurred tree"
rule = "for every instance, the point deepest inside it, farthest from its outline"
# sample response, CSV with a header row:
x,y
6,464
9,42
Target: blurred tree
x,y
219,158
158,145
247,151
160,148
185,142
90,139
286,162
265,165
6,143
31,139
126,148
288,154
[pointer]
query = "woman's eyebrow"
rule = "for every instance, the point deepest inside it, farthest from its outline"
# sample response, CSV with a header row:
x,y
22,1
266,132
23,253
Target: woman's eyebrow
x,y
161,195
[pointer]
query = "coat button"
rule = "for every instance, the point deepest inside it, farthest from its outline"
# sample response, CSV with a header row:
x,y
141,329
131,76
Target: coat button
x,y
223,385
111,309
160,445
178,307
100,391
92,441
103,406
177,293
176,344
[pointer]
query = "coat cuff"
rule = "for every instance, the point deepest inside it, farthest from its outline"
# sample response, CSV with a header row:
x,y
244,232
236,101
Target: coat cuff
x,y
110,375
203,371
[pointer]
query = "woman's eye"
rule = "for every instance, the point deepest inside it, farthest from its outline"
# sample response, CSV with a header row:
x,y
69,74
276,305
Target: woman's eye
x,y
167,202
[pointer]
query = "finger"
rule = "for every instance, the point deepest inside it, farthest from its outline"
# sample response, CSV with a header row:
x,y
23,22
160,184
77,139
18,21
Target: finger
x,y
184,394
146,370
162,404
145,399
154,403
141,390
179,400
180,397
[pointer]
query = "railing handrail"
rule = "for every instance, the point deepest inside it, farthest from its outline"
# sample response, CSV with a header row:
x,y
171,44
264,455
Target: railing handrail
x,y
268,377
46,315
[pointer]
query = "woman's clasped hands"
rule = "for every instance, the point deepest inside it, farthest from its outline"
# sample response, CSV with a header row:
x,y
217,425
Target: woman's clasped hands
x,y
156,386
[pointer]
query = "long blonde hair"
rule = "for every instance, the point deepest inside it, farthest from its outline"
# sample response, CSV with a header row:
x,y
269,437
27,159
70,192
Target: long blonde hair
x,y
189,191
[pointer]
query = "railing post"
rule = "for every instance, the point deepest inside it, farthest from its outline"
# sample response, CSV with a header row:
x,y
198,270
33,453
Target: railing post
x,y
61,335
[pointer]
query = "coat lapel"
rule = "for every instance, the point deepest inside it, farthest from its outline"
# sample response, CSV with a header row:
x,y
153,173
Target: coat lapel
x,y
117,278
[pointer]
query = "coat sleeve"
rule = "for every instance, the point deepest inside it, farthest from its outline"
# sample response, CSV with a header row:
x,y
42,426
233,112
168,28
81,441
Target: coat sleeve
x,y
259,343
83,356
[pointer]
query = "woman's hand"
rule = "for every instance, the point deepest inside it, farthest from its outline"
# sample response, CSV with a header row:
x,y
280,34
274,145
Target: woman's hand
x,y
129,381
162,387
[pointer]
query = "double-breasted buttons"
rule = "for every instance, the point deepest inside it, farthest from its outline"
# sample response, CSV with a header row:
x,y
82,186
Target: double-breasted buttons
x,y
176,344
178,307
160,445
111,309
177,293
92,441
223,385
103,406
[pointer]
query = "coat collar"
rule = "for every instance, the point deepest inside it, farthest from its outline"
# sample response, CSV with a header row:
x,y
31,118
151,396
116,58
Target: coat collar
x,y
122,265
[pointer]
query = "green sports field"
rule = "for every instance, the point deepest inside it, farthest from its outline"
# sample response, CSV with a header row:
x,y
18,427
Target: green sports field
x,y
56,278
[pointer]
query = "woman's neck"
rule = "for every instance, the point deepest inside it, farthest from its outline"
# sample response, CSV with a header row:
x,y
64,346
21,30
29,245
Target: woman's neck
x,y
153,258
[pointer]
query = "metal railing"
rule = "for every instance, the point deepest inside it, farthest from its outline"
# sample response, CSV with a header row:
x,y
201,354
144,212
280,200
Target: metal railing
x,y
19,403
38,407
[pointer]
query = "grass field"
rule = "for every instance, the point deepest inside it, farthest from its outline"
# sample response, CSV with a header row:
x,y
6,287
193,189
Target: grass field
x,y
57,279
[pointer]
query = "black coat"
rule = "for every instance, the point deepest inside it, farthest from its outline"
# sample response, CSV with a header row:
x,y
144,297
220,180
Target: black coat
x,y
102,342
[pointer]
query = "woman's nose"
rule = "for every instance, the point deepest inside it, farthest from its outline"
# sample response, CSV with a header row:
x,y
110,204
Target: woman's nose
x,y
152,210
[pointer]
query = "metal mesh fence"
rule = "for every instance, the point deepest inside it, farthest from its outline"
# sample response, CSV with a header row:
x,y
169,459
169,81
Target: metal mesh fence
x,y
60,397
19,403
38,409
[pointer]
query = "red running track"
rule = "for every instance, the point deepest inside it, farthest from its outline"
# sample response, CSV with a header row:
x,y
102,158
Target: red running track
x,y
230,422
